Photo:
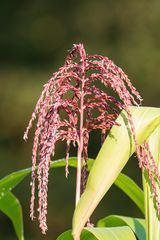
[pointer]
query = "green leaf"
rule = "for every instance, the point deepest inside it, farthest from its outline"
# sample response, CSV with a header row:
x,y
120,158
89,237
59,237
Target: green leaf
x,y
123,182
136,224
114,154
84,236
126,184
131,189
152,219
116,233
7,199
11,207
10,181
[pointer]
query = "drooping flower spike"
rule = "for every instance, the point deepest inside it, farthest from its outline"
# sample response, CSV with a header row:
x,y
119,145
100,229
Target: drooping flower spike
x,y
70,107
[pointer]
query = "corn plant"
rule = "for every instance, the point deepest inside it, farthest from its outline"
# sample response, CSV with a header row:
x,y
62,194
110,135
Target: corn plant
x,y
74,102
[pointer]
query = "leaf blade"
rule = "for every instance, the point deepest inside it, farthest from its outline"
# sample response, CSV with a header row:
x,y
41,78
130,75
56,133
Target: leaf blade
x,y
136,224
11,207
152,219
145,121
131,189
116,233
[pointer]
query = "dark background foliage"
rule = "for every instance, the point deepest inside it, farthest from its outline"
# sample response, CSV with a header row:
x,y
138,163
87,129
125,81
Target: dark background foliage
x,y
34,39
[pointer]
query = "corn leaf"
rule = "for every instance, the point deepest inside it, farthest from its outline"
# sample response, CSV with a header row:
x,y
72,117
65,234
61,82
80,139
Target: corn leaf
x,y
116,233
11,207
9,182
152,219
131,189
136,224
127,185
114,154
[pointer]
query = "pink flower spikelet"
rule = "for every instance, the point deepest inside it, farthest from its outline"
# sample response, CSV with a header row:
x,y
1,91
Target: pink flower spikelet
x,y
74,90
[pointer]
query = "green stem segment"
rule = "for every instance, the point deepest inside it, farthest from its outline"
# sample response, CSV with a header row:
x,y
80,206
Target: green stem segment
x,y
80,149
80,146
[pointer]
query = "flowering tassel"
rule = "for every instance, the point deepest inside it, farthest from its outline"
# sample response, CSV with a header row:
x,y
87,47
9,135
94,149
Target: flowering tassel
x,y
73,90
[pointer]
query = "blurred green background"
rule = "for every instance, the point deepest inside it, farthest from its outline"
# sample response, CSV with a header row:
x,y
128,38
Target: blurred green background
x,y
34,39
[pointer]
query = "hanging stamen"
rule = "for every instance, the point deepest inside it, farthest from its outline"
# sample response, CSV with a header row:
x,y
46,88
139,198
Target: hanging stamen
x,y
86,98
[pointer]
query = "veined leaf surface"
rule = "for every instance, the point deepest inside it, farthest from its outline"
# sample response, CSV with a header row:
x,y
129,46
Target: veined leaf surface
x,y
116,233
114,154
136,224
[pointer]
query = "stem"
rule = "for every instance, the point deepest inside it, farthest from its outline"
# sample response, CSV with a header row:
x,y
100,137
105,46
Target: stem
x,y
80,146
77,238
78,178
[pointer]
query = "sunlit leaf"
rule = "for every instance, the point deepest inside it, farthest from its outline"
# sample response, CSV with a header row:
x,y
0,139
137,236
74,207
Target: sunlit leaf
x,y
126,184
152,219
10,181
131,189
11,207
113,156
136,224
116,233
